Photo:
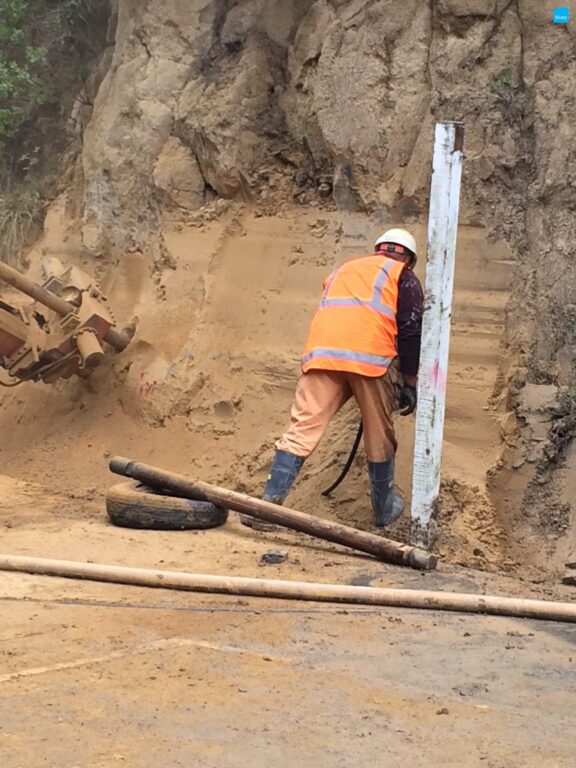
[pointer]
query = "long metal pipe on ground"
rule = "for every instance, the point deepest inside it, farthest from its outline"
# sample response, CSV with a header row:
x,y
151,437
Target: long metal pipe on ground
x,y
294,590
384,549
62,308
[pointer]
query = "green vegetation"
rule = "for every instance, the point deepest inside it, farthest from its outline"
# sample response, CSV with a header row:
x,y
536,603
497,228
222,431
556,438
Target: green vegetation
x,y
47,48
41,44
21,62
504,80
21,211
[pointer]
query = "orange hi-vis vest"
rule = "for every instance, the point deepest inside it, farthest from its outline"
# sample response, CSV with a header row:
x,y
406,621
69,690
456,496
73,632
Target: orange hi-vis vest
x,y
354,328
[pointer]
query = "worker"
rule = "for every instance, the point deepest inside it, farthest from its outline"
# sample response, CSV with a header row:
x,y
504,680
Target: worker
x,y
364,341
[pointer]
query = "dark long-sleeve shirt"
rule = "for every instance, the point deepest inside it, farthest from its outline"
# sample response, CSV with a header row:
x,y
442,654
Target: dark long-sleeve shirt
x,y
409,321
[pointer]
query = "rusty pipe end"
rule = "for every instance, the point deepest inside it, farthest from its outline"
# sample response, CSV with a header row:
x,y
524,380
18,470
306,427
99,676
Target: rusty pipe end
x,y
89,347
117,339
422,561
120,465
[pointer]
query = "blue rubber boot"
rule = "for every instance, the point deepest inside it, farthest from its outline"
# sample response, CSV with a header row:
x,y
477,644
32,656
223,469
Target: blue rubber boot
x,y
283,472
386,503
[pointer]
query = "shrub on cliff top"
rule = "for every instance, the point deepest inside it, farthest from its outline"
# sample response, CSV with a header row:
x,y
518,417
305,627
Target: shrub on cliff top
x,y
43,44
21,62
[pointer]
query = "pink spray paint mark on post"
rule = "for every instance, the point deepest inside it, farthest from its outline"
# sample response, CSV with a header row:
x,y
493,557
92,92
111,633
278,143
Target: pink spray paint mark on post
x,y
438,377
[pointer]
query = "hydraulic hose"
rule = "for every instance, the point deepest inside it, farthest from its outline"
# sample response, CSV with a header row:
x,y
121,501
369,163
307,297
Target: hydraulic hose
x,y
10,384
348,464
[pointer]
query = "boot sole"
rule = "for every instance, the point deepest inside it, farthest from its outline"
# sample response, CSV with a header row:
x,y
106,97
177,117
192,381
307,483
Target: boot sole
x,y
389,520
259,525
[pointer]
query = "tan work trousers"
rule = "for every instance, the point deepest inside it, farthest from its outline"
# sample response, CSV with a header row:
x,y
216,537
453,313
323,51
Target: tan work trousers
x,y
321,394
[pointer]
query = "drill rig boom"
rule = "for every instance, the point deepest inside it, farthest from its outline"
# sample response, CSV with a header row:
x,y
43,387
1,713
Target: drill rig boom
x,y
62,332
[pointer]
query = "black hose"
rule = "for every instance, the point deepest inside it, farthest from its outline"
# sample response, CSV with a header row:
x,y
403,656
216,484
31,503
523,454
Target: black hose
x,y
10,384
348,464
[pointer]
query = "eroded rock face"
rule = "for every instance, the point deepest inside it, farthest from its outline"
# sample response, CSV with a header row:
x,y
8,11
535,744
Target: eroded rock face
x,y
262,97
158,43
177,174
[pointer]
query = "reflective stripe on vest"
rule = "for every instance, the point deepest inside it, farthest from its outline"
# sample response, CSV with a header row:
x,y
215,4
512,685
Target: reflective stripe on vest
x,y
375,302
346,354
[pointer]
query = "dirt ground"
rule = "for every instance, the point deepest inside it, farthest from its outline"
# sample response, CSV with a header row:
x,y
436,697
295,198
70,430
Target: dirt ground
x,y
95,676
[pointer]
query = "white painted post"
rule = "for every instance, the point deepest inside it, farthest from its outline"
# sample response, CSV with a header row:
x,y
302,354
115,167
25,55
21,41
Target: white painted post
x,y
442,228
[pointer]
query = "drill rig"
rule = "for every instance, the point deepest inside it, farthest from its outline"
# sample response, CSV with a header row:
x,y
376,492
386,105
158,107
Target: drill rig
x,y
62,333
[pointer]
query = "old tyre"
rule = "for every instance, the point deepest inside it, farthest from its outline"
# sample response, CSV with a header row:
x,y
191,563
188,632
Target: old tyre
x,y
133,505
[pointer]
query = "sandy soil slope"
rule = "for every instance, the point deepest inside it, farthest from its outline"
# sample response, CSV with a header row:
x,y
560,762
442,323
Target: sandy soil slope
x,y
206,386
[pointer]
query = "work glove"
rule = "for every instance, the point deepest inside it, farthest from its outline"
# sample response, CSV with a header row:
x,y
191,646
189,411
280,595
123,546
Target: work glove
x,y
407,400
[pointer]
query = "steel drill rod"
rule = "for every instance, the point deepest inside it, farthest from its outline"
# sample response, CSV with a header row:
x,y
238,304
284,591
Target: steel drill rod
x,y
62,308
117,339
35,291
294,590
384,549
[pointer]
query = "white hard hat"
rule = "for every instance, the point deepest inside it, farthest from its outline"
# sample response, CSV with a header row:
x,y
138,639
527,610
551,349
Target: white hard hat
x,y
398,237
